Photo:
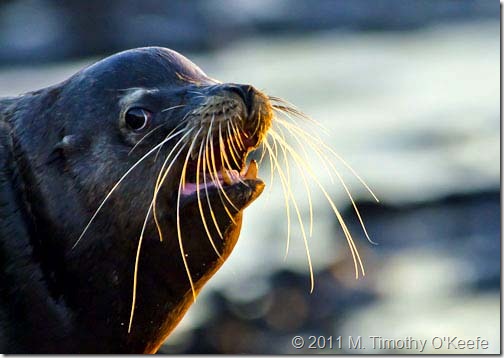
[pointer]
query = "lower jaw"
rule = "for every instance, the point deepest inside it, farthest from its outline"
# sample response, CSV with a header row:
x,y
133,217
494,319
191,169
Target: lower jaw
x,y
241,193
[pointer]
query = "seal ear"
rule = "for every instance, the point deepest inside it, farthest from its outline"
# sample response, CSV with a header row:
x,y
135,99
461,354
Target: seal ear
x,y
69,143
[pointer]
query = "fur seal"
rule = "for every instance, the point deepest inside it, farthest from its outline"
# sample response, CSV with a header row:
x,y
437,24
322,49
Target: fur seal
x,y
126,182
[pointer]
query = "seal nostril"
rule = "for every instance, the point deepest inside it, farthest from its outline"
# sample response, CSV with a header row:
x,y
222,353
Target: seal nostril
x,y
246,93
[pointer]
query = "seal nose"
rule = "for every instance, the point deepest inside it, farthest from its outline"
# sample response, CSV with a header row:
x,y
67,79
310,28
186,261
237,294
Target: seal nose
x,y
246,93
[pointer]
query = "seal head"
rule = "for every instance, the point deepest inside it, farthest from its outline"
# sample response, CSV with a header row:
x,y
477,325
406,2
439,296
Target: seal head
x,y
126,182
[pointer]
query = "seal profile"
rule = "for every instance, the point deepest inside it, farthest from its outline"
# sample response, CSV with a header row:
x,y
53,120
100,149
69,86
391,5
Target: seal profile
x,y
122,191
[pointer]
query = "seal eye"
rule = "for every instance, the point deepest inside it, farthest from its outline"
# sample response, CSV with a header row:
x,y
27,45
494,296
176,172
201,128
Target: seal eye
x,y
137,118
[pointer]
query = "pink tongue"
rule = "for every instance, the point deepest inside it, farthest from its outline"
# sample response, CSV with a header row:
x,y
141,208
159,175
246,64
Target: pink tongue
x,y
190,188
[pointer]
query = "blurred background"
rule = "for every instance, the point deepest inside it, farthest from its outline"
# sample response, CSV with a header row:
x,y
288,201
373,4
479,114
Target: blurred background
x,y
409,93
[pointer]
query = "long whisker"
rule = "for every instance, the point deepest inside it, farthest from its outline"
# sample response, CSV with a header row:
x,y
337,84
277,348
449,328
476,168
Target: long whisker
x,y
304,163
301,225
173,107
231,145
258,125
214,219
273,153
212,178
263,154
216,179
135,271
237,135
162,177
223,155
281,140
199,201
224,159
287,170
275,147
140,240
145,136
179,231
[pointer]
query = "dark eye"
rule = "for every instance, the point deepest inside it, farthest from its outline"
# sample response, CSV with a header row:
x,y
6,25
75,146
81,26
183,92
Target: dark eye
x,y
137,118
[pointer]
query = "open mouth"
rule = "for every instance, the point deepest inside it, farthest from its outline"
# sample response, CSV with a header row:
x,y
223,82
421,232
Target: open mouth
x,y
220,167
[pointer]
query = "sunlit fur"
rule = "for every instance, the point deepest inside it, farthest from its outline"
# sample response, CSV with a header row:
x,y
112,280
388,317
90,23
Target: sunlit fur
x,y
194,139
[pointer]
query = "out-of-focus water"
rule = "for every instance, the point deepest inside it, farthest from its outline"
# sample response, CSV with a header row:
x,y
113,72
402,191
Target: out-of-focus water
x,y
417,115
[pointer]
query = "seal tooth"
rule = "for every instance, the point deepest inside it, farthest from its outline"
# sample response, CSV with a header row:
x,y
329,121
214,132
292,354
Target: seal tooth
x,y
252,170
235,176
